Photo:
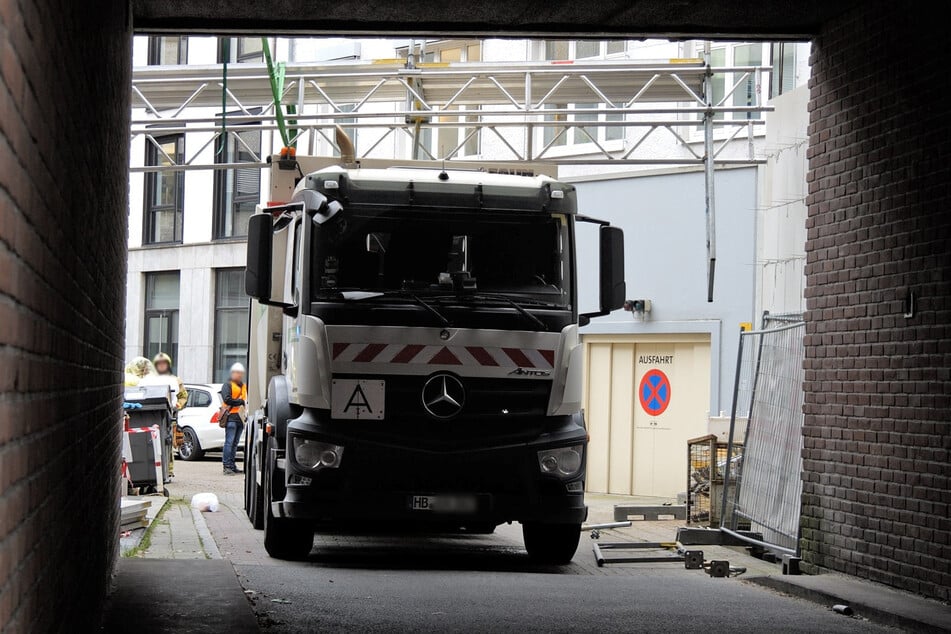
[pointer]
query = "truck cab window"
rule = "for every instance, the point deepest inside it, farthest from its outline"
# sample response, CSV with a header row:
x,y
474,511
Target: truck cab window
x,y
517,254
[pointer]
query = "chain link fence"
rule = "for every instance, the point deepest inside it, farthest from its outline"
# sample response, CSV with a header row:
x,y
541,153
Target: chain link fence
x,y
764,482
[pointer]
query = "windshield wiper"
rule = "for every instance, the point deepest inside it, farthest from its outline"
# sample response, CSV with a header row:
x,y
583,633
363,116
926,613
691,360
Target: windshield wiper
x,y
405,294
506,300
432,309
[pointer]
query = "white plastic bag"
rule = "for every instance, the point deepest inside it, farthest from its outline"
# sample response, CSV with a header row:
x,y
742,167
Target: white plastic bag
x,y
205,502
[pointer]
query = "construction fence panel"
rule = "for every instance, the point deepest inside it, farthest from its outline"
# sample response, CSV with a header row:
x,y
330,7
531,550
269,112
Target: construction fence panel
x,y
764,482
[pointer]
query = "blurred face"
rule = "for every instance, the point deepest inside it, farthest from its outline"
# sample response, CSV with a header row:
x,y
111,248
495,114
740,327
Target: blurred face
x,y
162,367
237,376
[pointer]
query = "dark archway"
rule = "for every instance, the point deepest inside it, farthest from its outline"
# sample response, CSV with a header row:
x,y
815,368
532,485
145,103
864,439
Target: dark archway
x,y
877,432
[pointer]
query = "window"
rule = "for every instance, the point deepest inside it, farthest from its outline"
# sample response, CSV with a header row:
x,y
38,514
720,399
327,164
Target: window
x,y
783,77
237,190
168,51
615,47
472,145
347,123
745,93
521,254
453,54
161,314
556,50
587,48
554,134
444,51
231,321
198,398
164,190
240,50
581,134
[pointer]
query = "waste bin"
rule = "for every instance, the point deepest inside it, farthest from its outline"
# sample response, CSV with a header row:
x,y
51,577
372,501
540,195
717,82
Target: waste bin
x,y
151,406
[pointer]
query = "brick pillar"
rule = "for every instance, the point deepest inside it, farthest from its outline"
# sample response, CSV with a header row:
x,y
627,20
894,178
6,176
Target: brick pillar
x,y
878,384
64,114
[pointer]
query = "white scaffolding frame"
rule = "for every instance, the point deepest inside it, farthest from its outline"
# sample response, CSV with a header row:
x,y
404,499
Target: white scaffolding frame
x,y
667,97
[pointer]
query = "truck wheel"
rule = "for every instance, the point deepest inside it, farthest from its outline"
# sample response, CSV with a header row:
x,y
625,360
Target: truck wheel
x,y
551,543
279,407
284,538
190,449
253,494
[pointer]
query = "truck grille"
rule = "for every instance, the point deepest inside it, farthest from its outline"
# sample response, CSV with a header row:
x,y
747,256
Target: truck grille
x,y
494,410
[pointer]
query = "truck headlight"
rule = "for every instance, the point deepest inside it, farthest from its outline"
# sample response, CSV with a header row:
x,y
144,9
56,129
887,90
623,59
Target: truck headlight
x,y
316,455
563,462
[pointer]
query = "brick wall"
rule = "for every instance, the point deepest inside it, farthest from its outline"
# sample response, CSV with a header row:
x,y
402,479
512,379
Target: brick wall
x,y
64,109
878,385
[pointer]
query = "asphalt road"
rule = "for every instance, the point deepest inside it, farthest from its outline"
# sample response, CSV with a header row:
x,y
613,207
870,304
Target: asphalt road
x,y
374,582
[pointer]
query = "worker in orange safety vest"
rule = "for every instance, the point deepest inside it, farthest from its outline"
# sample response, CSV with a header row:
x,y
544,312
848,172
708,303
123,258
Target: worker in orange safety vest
x,y
234,394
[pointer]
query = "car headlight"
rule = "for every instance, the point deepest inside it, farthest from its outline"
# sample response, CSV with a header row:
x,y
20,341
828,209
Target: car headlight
x,y
564,462
316,455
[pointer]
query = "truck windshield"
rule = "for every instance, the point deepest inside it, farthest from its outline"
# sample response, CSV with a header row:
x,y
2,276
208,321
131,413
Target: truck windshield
x,y
359,253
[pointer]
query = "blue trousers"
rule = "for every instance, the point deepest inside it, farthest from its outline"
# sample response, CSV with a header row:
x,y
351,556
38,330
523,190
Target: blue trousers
x,y
232,438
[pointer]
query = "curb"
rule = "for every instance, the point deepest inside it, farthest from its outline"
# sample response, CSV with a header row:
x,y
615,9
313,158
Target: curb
x,y
828,599
207,541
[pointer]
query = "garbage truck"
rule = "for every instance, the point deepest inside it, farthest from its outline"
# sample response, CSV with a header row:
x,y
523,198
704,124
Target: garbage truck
x,y
414,355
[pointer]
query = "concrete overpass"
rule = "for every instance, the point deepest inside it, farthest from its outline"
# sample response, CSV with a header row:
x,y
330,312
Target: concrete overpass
x,y
878,389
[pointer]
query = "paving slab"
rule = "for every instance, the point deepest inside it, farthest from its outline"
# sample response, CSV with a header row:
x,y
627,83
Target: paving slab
x,y
184,596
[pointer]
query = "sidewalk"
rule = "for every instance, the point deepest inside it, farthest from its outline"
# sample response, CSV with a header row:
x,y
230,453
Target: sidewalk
x,y
184,596
177,581
867,599
180,532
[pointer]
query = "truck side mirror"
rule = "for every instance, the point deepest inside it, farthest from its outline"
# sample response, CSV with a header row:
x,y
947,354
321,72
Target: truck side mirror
x,y
257,274
268,275
611,269
612,288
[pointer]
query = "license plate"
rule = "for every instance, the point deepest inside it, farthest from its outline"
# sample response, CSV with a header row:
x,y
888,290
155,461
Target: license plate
x,y
448,504
357,399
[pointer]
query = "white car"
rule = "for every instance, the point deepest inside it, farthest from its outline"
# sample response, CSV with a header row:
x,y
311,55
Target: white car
x,y
199,421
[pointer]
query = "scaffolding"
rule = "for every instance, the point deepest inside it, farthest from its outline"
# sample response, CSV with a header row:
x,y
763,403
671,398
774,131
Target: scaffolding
x,y
505,101
669,97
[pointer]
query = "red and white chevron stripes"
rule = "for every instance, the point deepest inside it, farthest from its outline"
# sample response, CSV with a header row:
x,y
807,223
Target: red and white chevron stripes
x,y
416,354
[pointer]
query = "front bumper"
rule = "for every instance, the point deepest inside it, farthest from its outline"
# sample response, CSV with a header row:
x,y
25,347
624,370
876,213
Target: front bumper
x,y
377,481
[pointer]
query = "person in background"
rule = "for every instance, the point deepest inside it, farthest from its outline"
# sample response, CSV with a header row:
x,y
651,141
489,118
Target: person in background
x,y
234,394
137,369
163,367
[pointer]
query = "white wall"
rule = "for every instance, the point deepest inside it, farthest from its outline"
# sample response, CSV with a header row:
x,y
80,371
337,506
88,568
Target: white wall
x,y
665,254
781,216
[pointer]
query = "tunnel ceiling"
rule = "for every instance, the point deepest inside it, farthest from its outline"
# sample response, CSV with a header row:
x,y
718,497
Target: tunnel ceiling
x,y
766,19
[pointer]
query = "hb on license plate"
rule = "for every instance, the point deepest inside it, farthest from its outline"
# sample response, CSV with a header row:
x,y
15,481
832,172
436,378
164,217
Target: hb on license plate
x,y
452,504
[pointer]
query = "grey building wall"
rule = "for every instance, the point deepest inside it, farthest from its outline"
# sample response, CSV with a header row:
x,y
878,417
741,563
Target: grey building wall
x,y
665,259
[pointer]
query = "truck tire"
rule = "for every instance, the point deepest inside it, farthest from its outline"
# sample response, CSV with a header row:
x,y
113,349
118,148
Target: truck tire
x,y
253,494
551,543
191,448
279,408
284,538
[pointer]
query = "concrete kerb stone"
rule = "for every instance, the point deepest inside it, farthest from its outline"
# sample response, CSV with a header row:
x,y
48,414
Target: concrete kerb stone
x,y
207,541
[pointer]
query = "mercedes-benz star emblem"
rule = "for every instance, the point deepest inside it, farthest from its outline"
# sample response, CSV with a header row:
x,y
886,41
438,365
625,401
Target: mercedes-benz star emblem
x,y
443,396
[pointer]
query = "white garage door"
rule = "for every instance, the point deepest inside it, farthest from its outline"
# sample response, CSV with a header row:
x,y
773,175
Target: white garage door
x,y
645,396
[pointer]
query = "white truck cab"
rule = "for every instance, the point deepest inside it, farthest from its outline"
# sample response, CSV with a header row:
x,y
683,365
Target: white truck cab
x,y
417,330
